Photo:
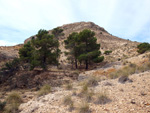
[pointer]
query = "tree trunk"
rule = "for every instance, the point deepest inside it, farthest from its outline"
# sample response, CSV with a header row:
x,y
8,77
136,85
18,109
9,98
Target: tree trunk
x,y
76,63
86,63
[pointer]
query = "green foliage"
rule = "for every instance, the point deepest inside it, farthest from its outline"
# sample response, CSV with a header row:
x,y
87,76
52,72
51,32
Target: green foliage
x,y
42,51
25,53
71,44
83,47
143,47
98,59
2,105
57,32
12,66
107,52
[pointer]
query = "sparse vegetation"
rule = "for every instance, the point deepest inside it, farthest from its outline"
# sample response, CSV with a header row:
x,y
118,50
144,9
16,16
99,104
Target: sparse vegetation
x,y
102,98
69,86
89,95
44,90
13,101
11,66
126,71
83,107
68,100
84,89
92,81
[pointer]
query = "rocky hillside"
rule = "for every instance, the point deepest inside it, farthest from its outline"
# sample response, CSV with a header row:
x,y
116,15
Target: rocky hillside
x,y
121,48
8,53
130,97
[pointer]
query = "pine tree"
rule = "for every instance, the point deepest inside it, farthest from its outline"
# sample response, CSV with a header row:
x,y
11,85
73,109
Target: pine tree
x,y
83,47
71,43
41,51
89,48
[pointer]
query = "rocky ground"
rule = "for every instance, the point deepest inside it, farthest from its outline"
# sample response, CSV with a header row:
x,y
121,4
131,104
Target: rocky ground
x,y
130,97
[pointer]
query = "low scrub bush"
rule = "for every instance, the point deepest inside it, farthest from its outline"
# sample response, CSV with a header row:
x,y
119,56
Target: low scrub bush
x,y
13,101
102,98
69,86
92,81
83,107
126,71
89,95
44,90
143,47
68,100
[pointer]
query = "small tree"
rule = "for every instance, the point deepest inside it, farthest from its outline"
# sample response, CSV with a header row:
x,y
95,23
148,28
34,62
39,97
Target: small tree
x,y
71,43
57,32
46,50
89,49
83,47
41,51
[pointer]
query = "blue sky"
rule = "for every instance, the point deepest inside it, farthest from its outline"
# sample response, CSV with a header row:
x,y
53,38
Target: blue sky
x,y
20,19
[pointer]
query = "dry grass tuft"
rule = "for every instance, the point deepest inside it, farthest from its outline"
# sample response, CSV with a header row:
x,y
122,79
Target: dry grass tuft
x,y
69,86
13,101
83,107
44,90
102,98
68,100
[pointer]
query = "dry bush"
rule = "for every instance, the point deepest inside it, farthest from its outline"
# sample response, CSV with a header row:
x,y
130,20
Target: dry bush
x,y
67,100
83,107
89,95
126,71
13,101
92,81
144,67
102,98
69,86
44,90
84,89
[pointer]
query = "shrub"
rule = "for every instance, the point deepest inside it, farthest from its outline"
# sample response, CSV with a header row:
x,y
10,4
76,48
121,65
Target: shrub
x,y
84,89
126,71
89,96
92,81
102,98
11,66
83,107
143,47
69,86
2,105
107,52
68,100
13,101
44,90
